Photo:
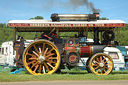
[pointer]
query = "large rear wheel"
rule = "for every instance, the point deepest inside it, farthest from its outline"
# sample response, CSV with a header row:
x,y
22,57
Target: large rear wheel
x,y
41,57
101,64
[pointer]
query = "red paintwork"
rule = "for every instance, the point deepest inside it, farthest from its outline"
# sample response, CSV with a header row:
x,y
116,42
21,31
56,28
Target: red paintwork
x,y
72,58
19,25
69,48
85,49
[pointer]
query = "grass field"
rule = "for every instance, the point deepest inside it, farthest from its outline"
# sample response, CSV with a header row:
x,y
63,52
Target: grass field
x,y
71,75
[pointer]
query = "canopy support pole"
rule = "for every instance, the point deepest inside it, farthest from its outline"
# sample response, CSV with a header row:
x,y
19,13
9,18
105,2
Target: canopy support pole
x,y
57,32
118,34
14,34
86,32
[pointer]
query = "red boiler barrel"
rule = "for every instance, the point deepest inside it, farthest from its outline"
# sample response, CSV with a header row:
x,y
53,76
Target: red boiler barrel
x,y
88,51
85,51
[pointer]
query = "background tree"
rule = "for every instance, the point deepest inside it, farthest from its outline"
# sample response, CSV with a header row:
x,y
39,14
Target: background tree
x,y
3,25
104,18
37,17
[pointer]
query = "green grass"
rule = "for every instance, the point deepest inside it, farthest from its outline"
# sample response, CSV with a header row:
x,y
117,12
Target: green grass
x,y
71,75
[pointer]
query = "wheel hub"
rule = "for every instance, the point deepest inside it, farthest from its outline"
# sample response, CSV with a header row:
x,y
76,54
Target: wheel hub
x,y
101,65
42,59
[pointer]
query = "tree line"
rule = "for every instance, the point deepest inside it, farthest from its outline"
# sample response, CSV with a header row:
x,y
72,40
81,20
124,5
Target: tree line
x,y
4,25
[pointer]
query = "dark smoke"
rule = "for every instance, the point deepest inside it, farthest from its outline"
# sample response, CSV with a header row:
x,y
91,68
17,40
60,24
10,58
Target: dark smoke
x,y
89,5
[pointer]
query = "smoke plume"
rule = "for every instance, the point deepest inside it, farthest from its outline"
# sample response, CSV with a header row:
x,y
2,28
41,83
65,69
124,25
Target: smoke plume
x,y
89,5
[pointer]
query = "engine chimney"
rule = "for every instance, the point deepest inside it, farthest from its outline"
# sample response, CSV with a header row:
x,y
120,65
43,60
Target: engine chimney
x,y
97,15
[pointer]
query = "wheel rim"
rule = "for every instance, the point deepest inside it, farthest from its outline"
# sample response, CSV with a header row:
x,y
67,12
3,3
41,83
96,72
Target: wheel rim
x,y
41,57
101,64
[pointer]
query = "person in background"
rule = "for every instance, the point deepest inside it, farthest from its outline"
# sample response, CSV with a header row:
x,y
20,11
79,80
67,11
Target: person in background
x,y
21,48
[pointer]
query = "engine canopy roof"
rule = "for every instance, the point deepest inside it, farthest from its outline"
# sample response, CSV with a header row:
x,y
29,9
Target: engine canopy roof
x,y
44,25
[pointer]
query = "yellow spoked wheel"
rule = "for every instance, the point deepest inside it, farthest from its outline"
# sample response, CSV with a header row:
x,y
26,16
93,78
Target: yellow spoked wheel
x,y
101,64
41,57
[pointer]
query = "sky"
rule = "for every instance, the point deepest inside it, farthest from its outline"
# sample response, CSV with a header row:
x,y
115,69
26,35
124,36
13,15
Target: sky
x,y
26,9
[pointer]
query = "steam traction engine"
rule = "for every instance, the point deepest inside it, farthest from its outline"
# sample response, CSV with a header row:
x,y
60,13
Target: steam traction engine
x,y
52,52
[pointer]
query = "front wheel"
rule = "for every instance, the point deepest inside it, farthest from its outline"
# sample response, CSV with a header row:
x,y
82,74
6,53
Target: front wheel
x,y
41,57
101,64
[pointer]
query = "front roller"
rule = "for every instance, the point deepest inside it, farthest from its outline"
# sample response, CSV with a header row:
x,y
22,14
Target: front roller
x,y
101,64
41,57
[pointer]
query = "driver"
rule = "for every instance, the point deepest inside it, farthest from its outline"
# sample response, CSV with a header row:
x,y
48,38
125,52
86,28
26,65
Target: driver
x,y
48,37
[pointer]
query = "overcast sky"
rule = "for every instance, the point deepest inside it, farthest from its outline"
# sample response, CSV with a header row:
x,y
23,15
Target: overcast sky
x,y
26,9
